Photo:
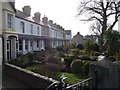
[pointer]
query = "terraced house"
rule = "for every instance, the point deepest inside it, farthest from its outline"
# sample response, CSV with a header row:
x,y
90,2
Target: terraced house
x,y
9,36
22,33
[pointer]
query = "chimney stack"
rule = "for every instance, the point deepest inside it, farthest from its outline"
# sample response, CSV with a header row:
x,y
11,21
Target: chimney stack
x,y
27,10
44,19
36,17
51,22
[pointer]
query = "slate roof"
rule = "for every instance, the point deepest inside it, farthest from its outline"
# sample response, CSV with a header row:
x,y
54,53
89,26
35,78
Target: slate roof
x,y
68,32
13,5
24,16
21,14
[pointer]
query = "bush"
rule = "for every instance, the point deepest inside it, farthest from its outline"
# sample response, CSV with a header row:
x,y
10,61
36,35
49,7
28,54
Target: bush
x,y
86,67
60,48
32,68
77,66
68,61
53,59
49,69
21,61
84,57
94,58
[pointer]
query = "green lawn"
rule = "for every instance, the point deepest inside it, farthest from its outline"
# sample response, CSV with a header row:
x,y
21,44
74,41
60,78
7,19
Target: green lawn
x,y
71,78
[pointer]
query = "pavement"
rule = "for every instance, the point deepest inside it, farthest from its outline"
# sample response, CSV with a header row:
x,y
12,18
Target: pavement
x,y
9,83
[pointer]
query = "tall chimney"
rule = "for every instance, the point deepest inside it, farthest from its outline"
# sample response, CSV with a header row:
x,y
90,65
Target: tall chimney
x,y
51,22
44,19
36,17
27,10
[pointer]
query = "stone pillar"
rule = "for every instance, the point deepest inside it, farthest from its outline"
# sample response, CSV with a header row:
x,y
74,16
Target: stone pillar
x,y
29,45
13,48
23,46
107,73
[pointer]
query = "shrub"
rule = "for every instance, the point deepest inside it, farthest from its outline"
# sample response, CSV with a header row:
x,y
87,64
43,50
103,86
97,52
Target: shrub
x,y
21,61
76,53
84,57
49,69
86,67
60,48
32,68
31,57
94,58
68,61
80,46
77,66
53,59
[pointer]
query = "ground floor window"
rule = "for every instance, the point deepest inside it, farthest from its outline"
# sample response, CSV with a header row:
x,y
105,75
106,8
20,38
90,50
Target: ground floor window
x,y
20,45
37,43
26,44
31,45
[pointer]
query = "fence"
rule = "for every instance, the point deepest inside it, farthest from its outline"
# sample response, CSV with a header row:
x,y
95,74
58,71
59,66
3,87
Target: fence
x,y
87,84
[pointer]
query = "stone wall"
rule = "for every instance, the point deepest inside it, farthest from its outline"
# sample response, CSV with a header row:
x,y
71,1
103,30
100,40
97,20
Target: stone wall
x,y
108,73
27,77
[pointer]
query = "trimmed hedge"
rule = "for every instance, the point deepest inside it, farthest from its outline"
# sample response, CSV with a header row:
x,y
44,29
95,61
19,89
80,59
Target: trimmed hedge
x,y
86,67
84,57
77,66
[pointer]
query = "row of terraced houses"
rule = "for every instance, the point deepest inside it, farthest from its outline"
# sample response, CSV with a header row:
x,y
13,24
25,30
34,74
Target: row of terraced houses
x,y
22,33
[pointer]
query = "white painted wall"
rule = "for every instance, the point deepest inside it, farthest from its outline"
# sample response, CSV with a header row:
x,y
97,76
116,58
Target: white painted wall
x,y
27,25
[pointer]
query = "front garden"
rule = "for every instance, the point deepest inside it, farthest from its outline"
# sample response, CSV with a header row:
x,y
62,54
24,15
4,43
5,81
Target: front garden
x,y
67,60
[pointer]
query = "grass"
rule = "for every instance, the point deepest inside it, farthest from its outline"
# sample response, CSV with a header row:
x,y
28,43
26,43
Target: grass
x,y
71,78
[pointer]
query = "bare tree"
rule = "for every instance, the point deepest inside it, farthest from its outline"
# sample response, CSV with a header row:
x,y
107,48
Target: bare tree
x,y
95,27
100,11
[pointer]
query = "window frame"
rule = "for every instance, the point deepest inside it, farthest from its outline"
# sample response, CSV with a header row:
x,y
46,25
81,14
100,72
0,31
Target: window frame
x,y
10,20
31,28
22,25
26,44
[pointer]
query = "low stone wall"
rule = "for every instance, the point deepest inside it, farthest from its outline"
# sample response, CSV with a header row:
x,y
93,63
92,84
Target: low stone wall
x,y
32,79
108,74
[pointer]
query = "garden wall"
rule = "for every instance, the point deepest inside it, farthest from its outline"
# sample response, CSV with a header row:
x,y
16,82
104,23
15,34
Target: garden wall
x,y
32,79
108,74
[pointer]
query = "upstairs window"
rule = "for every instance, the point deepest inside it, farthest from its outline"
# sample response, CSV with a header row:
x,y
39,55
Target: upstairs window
x,y
10,21
31,29
22,24
38,30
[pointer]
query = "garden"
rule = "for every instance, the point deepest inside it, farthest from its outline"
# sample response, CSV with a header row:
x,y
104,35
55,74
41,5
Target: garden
x,y
69,60
72,60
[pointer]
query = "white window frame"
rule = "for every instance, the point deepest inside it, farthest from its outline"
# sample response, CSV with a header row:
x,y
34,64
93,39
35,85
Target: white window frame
x,y
10,21
31,29
26,44
38,30
22,25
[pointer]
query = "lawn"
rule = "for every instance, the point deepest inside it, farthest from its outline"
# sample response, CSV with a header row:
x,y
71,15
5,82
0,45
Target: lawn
x,y
71,78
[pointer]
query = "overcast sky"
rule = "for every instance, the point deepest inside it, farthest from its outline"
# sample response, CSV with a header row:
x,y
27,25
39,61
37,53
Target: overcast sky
x,y
62,12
